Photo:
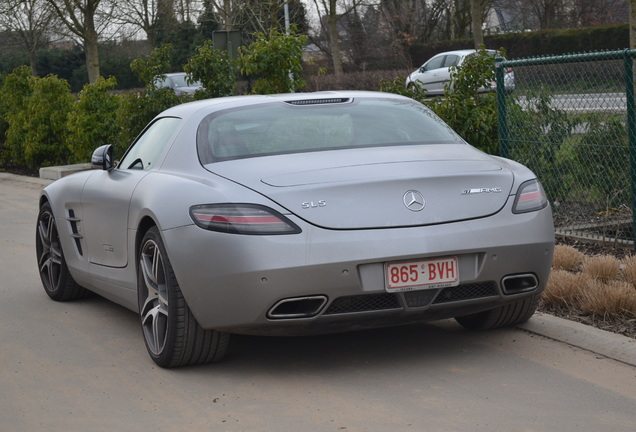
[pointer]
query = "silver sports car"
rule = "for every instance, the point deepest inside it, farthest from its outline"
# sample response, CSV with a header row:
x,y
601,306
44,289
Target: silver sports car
x,y
296,214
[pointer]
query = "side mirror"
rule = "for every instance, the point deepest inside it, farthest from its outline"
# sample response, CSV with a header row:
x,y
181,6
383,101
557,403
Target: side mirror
x,y
103,158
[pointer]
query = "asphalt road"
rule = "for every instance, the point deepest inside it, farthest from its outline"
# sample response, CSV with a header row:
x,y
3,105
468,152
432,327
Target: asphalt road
x,y
82,366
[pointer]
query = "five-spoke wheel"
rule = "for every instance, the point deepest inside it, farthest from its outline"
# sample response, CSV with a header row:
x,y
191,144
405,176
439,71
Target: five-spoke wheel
x,y
56,278
153,291
171,333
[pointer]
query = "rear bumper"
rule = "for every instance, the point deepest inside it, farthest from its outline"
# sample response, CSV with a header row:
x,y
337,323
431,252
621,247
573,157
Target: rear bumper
x,y
238,283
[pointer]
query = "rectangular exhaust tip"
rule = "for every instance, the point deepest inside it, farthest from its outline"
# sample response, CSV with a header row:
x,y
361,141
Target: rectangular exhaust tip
x,y
299,307
516,284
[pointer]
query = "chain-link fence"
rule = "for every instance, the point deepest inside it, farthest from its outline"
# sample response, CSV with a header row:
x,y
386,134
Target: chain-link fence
x,y
571,119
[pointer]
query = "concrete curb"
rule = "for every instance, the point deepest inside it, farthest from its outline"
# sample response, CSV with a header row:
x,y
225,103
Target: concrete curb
x,y
57,172
25,179
618,347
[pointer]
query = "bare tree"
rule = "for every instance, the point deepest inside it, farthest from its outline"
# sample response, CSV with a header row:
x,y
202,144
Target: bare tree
x,y
589,13
28,20
523,15
408,21
85,20
228,12
158,19
331,11
477,22
142,14
265,15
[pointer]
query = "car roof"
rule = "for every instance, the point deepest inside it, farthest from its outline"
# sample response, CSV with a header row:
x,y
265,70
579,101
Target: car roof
x,y
463,52
460,52
251,100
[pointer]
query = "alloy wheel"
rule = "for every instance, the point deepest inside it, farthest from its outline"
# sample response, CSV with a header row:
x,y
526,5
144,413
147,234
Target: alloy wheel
x,y
154,292
49,252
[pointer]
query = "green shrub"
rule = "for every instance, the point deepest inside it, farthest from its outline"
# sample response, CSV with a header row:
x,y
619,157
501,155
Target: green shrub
x,y
214,70
543,142
136,110
156,64
370,80
536,43
397,86
4,125
604,149
41,126
275,61
14,94
471,114
93,122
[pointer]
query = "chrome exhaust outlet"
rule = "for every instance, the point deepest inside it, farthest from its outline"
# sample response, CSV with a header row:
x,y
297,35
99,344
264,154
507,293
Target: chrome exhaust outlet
x,y
516,284
298,307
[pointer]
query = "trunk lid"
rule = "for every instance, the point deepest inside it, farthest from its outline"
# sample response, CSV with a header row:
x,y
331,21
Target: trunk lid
x,y
378,187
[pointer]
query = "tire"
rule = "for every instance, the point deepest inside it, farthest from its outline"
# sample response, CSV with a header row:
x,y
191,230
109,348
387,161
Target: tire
x,y
172,335
56,278
504,316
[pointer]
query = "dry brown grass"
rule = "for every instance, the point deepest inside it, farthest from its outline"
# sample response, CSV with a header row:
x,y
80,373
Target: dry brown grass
x,y
609,300
567,258
563,289
629,270
598,286
603,268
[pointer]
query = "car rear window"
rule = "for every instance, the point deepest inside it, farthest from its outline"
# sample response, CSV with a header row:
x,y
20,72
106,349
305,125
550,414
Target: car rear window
x,y
281,128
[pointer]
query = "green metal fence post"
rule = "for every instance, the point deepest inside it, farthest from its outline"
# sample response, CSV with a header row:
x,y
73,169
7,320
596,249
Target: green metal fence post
x,y
502,112
628,59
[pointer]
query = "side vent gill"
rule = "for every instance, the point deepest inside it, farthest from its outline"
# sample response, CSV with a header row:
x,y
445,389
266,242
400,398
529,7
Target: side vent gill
x,y
75,230
318,101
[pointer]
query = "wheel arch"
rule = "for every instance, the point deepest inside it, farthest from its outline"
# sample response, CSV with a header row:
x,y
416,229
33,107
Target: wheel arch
x,y
144,225
43,200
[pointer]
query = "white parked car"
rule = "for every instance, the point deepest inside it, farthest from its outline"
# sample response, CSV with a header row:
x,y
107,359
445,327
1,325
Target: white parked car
x,y
178,82
433,75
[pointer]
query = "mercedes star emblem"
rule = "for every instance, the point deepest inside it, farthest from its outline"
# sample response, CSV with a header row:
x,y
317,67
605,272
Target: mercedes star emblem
x,y
414,200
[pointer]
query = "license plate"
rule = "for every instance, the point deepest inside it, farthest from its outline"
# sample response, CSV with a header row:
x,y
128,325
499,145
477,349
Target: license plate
x,y
421,274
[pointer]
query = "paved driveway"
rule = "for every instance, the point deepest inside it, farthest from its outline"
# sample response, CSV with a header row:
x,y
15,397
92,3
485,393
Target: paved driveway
x,y
82,366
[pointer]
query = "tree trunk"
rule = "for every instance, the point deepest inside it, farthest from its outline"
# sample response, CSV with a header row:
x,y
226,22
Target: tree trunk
x,y
334,42
79,18
33,62
227,15
92,55
475,11
632,24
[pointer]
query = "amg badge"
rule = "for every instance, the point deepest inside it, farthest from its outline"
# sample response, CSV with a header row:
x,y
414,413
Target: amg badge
x,y
481,190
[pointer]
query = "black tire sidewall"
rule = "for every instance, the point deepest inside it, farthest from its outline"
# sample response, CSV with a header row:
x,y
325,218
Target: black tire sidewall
x,y
176,303
65,283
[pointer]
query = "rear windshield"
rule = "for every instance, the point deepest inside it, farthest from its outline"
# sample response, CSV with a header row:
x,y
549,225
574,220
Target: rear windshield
x,y
281,128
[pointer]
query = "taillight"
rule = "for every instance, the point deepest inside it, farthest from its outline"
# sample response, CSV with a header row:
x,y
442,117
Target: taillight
x,y
530,197
242,219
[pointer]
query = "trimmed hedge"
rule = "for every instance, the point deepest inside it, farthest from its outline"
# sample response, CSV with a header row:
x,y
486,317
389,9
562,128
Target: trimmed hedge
x,y
545,42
